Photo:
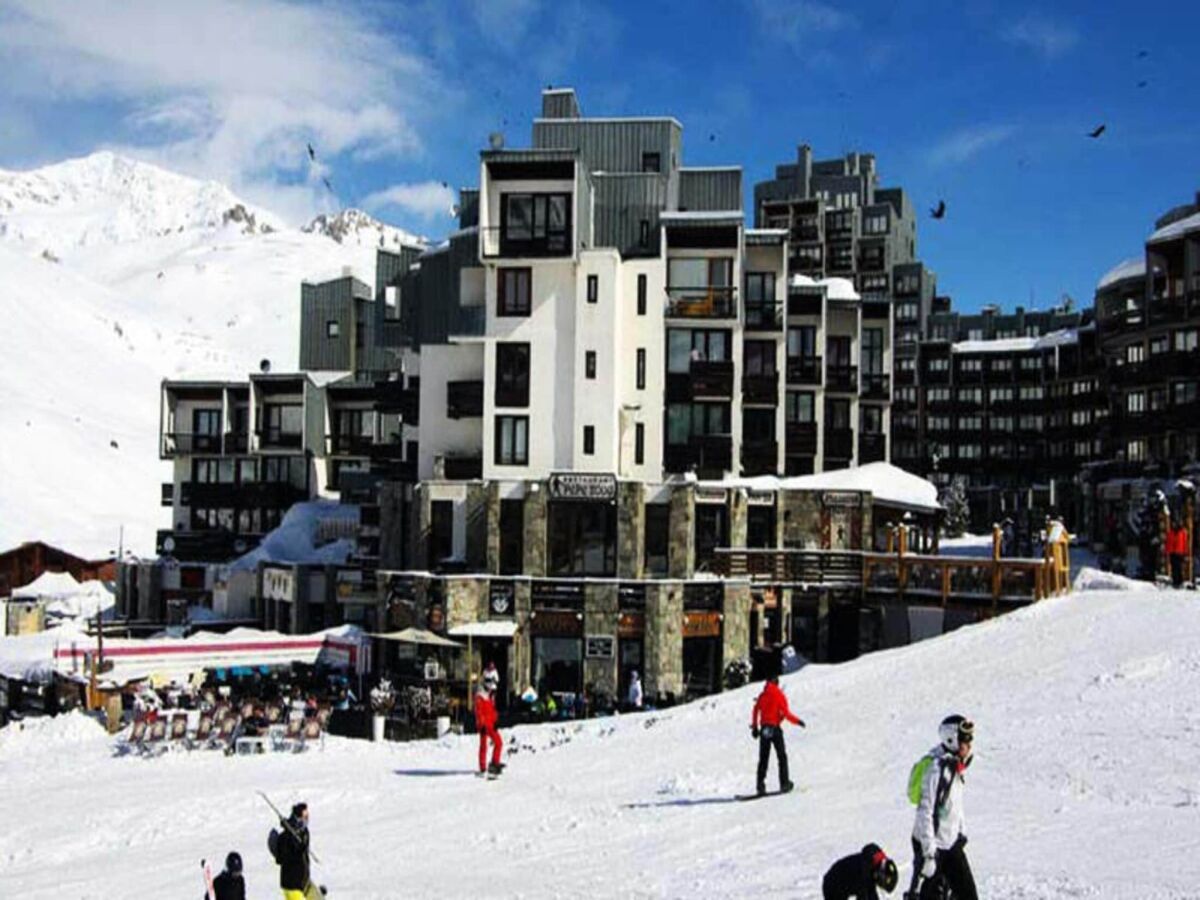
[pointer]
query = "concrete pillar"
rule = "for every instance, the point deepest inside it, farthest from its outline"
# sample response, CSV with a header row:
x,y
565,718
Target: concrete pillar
x,y
535,530
477,528
419,518
681,547
521,658
735,629
394,527
663,640
631,529
600,617
493,528
738,517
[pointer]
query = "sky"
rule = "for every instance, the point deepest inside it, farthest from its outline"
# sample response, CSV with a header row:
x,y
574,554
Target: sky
x,y
984,104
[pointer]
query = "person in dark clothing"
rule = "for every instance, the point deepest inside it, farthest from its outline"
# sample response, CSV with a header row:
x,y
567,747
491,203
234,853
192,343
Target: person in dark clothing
x,y
858,875
292,854
229,884
766,724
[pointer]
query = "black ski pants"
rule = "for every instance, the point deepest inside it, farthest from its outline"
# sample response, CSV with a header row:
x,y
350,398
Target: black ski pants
x,y
1177,570
768,737
953,872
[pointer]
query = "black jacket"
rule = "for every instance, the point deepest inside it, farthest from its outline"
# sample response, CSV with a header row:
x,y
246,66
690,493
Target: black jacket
x,y
852,876
229,887
292,856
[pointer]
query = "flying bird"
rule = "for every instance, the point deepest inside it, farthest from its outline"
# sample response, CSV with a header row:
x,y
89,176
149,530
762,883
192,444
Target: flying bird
x,y
712,137
1142,84
327,184
445,185
114,445
939,211
1097,131
1142,54
312,154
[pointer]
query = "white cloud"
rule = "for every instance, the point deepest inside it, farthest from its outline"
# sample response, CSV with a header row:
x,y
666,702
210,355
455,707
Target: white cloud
x,y
427,199
228,90
964,144
794,21
1049,38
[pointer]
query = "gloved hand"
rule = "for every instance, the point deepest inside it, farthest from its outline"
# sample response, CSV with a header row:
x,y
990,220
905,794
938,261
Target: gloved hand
x,y
754,732
800,722
929,867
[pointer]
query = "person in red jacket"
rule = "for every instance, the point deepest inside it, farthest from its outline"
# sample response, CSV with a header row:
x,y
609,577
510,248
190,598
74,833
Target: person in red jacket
x,y
1177,551
770,712
485,724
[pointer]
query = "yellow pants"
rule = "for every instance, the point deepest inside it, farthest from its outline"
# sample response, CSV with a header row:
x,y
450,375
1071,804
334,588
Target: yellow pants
x,y
312,892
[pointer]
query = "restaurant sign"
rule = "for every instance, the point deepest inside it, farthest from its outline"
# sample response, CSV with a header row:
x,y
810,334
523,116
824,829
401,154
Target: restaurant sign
x,y
582,486
598,646
702,624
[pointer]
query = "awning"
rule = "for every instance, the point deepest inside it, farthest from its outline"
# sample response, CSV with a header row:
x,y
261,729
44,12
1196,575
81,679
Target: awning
x,y
417,636
496,629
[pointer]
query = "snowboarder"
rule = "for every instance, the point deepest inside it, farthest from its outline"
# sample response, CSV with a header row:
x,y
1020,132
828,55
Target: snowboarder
x,y
858,874
229,885
635,690
766,721
936,786
291,853
485,724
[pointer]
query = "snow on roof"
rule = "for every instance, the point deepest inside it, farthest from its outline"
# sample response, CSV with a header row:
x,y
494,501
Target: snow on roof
x,y
1019,344
295,540
1176,229
30,657
48,585
710,168
1128,268
835,288
886,483
700,214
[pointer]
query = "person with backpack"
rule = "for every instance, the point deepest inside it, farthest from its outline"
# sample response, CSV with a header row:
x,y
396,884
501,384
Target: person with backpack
x,y
766,721
229,885
485,724
859,874
290,849
935,785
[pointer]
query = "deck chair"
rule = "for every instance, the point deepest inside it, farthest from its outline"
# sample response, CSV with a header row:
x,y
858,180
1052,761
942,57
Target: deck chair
x,y
133,741
156,738
247,709
293,737
204,729
274,714
177,733
323,715
224,736
313,732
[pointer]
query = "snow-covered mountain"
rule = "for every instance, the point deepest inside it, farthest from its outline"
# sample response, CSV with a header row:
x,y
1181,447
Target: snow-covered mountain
x,y
357,228
115,274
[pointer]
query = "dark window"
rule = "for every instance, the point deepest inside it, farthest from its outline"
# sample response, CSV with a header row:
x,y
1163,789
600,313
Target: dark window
x,y
658,530
593,288
837,415
758,425
641,368
760,288
332,328
360,335
760,358
802,341
513,295
712,530
512,440
639,443
760,526
410,451
535,224
641,295
872,419
688,420
582,538
838,349
512,537
644,234
441,532
651,162
872,351
512,374
589,440
589,364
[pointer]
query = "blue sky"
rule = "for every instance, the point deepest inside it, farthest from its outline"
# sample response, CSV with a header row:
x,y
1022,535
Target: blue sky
x,y
984,104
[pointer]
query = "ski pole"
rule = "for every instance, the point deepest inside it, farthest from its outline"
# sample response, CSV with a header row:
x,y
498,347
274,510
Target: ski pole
x,y
284,822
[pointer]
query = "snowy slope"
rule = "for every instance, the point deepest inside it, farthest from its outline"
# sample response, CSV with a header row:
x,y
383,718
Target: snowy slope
x,y
1084,785
120,274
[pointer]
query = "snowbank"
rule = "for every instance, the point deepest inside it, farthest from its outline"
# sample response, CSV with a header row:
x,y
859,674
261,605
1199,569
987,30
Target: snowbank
x,y
69,733
1091,579
296,540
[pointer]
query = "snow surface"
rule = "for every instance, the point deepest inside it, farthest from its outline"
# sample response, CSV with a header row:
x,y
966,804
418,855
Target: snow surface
x,y
1134,267
835,288
1084,784
114,275
1176,229
296,539
886,483
1018,344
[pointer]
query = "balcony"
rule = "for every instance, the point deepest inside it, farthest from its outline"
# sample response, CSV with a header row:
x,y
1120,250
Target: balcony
x,y
278,439
706,454
805,264
177,443
704,380
876,386
843,379
464,399
762,389
904,431
500,244
871,448
237,441
764,316
392,397
804,370
760,458
248,495
463,468
801,438
806,232
349,444
839,444
804,304
705,302
205,546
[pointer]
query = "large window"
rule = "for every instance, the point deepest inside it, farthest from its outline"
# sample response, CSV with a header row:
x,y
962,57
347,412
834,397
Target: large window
x,y
685,420
639,444
441,532
758,425
802,341
760,288
583,538
513,292
688,345
658,531
557,665
536,224
872,419
512,537
512,440
712,531
641,295
512,374
838,349
700,273
872,351
837,415
799,406
760,358
641,368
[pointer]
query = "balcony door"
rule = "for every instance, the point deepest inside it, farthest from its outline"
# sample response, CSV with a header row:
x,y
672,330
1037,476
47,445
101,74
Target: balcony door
x,y
536,224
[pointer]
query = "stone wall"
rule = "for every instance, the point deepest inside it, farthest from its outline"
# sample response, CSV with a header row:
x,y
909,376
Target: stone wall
x,y
600,618
735,629
800,514
477,527
631,529
738,517
493,528
535,531
394,521
681,547
664,639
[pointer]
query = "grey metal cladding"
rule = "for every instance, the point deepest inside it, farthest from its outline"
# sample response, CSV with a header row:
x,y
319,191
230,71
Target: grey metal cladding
x,y
390,265
430,310
612,145
321,304
468,207
710,189
562,104
622,203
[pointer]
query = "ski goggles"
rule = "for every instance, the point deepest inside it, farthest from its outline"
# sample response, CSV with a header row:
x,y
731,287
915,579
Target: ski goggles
x,y
966,731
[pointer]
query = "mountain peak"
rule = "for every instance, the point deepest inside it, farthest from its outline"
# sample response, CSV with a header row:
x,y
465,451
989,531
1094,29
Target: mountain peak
x,y
353,226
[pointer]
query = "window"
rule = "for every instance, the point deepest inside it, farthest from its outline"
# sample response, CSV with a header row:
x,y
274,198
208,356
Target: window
x,y
875,224
582,538
970,395
760,289
1032,393
837,415
512,537
1000,423
906,311
589,364
969,451
938,423
1030,423
872,420
1187,341
641,295
1161,344
760,358
1135,450
639,444
651,162
512,440
1134,353
1031,363
593,288
937,395
872,351
970,365
644,234
1135,402
974,334
688,345
907,364
332,328
1183,392
535,223
512,374
658,530
589,440
939,364
799,407
686,420
758,425
641,369
906,395
1000,394
802,342
970,423
513,292
1001,365
441,532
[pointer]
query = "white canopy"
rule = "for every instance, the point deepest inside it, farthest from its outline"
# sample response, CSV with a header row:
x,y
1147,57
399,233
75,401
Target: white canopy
x,y
47,586
417,636
494,629
887,484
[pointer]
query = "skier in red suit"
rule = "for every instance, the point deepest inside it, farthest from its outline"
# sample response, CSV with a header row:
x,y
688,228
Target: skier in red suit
x,y
485,723
770,712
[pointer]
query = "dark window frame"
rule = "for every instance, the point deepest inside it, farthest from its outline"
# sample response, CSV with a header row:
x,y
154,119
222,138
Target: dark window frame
x,y
593,288
512,384
506,306
498,458
652,162
641,294
589,364
589,440
639,444
640,368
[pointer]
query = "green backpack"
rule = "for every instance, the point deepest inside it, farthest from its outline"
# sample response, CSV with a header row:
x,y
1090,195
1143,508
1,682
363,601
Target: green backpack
x,y
916,777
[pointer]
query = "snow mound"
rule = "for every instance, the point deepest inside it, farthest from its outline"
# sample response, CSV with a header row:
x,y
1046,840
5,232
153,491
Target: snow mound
x,y
34,737
1092,579
316,532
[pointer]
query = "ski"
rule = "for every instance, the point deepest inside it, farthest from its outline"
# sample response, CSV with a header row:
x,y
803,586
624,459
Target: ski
x,y
288,825
743,797
210,890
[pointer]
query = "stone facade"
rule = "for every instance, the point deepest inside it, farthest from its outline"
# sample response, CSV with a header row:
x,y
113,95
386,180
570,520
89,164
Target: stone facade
x,y
735,628
738,512
477,528
663,641
394,511
631,529
800,515
535,532
493,528
681,548
600,619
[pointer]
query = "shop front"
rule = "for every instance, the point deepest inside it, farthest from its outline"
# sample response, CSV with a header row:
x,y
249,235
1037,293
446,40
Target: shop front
x,y
702,638
581,527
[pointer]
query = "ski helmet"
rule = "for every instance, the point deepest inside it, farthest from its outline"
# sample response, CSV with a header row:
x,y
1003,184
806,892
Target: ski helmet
x,y
233,863
955,731
886,875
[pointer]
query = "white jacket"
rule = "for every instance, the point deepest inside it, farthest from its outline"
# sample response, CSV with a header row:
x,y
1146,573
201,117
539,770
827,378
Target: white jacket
x,y
941,817
635,693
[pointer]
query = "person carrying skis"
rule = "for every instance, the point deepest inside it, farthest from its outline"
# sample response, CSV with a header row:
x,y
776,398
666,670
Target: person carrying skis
x,y
766,721
291,853
936,786
229,885
858,874
485,724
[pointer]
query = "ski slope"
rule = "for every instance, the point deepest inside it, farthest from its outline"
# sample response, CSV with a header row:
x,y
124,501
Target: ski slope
x,y
1086,784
